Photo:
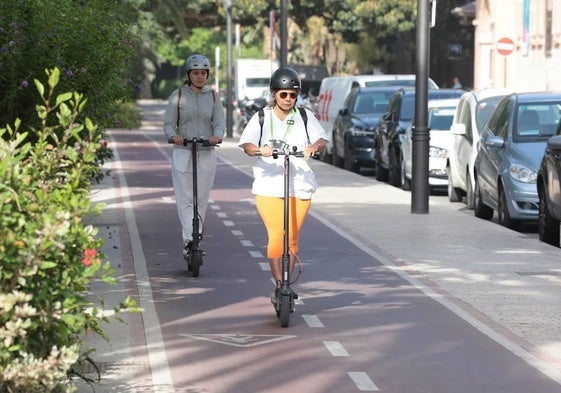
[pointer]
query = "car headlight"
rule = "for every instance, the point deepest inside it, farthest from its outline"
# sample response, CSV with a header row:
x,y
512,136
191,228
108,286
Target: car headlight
x,y
523,174
437,152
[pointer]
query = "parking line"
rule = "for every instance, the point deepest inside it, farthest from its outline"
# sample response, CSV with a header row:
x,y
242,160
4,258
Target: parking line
x,y
247,243
256,254
228,223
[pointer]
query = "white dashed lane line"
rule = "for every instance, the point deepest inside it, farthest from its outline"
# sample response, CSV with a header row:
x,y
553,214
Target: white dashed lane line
x,y
256,254
313,321
336,348
360,379
363,381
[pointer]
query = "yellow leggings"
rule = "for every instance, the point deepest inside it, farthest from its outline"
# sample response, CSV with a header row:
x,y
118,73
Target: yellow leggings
x,y
271,210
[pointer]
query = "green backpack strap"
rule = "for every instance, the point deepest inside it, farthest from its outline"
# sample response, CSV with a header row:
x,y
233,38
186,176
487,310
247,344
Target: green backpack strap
x,y
303,113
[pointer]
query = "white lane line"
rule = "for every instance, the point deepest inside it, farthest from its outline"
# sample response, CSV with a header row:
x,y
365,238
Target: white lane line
x,y
168,200
511,346
256,254
363,381
237,232
265,266
313,321
247,243
336,348
221,215
228,223
215,207
152,331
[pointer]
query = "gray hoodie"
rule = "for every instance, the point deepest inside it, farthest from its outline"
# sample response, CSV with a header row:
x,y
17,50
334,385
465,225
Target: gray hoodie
x,y
200,115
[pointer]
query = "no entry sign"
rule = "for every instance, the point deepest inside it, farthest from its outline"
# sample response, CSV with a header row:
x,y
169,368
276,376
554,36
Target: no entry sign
x,y
505,46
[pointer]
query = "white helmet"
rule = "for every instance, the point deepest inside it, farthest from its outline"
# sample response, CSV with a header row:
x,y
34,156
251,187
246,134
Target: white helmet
x,y
197,62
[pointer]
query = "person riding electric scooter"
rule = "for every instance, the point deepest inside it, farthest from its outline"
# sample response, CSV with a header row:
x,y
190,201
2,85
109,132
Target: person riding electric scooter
x,y
282,128
193,111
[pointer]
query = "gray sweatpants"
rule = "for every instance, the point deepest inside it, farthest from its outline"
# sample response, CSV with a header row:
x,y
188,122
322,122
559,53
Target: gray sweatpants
x,y
182,177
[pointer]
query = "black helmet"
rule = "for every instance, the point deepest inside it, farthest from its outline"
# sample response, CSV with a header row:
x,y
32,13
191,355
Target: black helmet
x,y
285,78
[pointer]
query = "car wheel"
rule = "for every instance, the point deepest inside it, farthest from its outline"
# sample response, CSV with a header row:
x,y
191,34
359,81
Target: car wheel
x,y
479,208
504,217
381,172
469,192
454,194
548,226
405,182
395,172
350,163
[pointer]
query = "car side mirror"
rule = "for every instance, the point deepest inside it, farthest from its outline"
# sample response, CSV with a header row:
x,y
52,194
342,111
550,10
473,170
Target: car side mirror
x,y
458,129
494,141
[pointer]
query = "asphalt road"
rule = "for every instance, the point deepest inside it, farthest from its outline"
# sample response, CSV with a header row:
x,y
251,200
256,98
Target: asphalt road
x,y
361,324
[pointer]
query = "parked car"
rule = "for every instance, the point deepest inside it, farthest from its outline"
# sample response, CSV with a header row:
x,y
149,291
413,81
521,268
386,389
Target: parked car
x,y
440,115
334,89
354,126
391,131
472,113
549,190
510,151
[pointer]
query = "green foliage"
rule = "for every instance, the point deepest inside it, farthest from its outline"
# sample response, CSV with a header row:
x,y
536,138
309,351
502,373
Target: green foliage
x,y
49,256
93,49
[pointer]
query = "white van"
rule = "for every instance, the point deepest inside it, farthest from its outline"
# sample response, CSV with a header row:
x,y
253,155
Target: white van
x,y
334,90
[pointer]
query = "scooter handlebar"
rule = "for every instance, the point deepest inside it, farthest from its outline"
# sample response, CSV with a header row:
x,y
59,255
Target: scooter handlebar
x,y
200,141
280,152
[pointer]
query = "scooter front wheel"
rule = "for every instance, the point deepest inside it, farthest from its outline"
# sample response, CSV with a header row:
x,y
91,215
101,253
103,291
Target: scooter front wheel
x,y
195,262
284,310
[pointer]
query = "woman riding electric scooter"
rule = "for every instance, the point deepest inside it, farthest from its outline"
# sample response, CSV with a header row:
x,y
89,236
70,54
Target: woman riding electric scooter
x,y
193,111
280,125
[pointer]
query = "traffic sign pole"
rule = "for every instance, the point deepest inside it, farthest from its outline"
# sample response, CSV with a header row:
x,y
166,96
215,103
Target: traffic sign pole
x,y
505,46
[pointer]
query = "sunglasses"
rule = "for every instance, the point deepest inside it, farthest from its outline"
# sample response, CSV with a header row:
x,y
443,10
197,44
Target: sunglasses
x,y
283,95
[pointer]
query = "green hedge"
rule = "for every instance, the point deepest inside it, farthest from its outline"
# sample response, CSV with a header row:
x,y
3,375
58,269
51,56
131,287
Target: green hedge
x,y
49,256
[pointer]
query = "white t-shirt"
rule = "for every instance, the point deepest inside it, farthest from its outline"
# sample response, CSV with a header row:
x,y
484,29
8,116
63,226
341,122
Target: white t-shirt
x,y
268,172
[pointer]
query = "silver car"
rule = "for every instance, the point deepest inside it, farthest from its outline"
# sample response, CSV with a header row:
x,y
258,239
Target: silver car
x,y
471,114
511,147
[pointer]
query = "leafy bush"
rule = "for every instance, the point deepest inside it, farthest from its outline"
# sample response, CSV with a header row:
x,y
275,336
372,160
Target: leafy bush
x,y
92,43
49,256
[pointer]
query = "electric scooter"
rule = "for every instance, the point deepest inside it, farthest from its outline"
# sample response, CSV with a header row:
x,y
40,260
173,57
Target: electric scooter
x,y
194,256
283,301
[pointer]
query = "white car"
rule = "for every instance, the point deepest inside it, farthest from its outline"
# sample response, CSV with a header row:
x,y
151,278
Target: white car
x,y
473,110
440,115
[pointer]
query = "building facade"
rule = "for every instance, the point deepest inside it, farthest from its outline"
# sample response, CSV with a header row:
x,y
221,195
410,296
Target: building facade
x,y
518,44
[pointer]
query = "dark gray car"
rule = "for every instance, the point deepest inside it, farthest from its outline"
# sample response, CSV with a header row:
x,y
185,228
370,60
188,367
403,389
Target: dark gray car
x,y
355,124
549,190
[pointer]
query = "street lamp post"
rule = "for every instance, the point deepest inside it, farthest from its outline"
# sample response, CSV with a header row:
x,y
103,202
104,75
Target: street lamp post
x,y
421,131
284,33
229,106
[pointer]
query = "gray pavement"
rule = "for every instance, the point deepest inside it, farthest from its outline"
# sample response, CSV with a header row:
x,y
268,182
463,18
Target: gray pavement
x,y
505,283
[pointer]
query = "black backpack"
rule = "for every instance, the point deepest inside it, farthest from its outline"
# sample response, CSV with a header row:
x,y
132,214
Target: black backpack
x,y
302,113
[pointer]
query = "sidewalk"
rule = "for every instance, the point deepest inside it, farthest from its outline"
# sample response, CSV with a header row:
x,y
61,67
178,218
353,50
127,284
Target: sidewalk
x,y
505,283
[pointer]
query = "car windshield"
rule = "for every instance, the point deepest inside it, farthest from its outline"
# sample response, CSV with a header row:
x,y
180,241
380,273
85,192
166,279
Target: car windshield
x,y
440,118
408,105
484,110
536,121
371,103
